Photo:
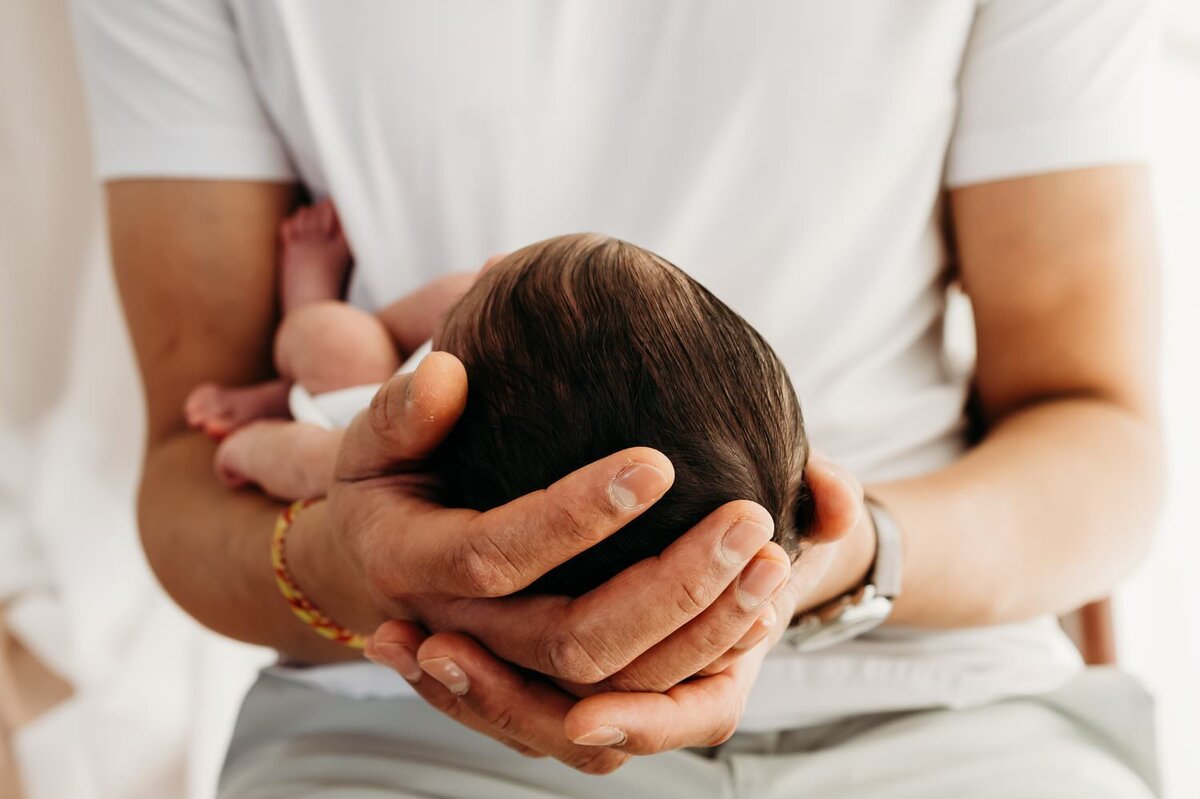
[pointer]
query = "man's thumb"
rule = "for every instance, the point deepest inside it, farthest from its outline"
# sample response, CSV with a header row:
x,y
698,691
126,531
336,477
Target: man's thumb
x,y
409,416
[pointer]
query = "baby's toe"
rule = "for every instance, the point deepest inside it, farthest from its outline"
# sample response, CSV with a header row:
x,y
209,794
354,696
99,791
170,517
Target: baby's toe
x,y
199,402
310,221
323,217
287,228
231,478
208,408
217,429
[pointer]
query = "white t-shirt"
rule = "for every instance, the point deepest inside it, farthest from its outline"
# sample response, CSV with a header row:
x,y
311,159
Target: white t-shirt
x,y
792,156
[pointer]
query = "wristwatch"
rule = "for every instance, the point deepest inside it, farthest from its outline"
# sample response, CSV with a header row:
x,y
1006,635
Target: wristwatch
x,y
862,609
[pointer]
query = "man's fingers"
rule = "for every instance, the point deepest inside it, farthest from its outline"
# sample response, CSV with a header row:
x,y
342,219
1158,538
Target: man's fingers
x,y
461,553
465,681
777,616
590,638
288,460
409,416
759,630
394,645
735,618
505,549
701,712
606,629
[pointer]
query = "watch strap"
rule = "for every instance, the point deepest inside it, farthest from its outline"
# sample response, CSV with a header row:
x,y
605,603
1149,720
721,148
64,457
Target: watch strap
x,y
885,574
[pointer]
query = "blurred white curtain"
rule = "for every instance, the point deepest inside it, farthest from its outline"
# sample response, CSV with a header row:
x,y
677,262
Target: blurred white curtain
x,y
1158,610
155,695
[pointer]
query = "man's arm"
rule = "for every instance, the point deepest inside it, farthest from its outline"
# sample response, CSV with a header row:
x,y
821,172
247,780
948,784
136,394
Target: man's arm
x,y
1057,503
196,267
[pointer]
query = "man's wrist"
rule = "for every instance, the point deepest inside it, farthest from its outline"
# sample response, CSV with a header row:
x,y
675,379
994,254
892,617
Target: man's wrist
x,y
326,573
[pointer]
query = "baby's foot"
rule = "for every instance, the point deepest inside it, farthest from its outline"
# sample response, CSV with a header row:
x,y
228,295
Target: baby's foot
x,y
218,411
314,256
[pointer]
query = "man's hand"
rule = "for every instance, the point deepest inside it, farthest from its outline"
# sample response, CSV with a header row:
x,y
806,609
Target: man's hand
x,y
648,706
835,558
380,548
530,715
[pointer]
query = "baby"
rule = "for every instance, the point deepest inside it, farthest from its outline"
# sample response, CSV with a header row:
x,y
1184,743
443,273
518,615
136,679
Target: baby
x,y
574,348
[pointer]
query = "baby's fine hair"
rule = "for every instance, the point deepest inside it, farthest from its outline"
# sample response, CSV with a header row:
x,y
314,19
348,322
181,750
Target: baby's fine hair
x,y
582,345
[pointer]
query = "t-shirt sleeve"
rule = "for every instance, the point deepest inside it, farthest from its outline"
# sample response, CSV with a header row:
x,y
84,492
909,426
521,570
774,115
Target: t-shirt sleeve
x,y
1048,85
170,94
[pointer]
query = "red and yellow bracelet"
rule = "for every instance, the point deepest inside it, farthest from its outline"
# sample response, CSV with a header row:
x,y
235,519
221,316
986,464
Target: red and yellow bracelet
x,y
301,605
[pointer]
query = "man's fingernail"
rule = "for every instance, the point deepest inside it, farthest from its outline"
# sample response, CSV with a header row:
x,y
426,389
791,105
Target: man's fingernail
x,y
636,485
761,627
744,539
602,736
397,657
759,581
448,673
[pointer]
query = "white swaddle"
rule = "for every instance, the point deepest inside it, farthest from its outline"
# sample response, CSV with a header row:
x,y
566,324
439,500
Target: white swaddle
x,y
335,409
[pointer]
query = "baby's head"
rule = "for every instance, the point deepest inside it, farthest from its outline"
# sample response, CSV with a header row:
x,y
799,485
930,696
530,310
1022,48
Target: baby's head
x,y
582,345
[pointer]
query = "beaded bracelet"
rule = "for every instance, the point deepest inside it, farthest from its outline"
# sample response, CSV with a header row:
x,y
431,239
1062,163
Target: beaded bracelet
x,y
301,605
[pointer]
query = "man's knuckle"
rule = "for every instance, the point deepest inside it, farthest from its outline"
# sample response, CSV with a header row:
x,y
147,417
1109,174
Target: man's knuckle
x,y
383,413
691,598
526,751
713,640
485,570
571,659
631,680
722,733
480,576
604,761
726,725
626,682
662,740
503,720
719,665
571,521
448,704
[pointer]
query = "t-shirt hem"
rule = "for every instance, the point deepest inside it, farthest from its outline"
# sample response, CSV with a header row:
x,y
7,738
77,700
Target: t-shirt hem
x,y
1021,151
211,155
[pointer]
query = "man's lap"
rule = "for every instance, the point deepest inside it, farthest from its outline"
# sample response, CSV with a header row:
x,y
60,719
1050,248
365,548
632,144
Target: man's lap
x,y
295,741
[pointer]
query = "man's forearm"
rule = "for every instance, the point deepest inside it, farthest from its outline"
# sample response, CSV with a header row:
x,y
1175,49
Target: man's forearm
x,y
210,549
1051,510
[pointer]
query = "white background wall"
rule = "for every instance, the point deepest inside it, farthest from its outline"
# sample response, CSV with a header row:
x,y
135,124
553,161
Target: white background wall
x,y
154,694
1158,611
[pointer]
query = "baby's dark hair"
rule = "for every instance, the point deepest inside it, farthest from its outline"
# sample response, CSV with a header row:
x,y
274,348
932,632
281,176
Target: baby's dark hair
x,y
582,345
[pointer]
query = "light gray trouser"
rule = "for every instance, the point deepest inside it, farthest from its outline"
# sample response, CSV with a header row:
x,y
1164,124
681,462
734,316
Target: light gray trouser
x,y
1093,739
